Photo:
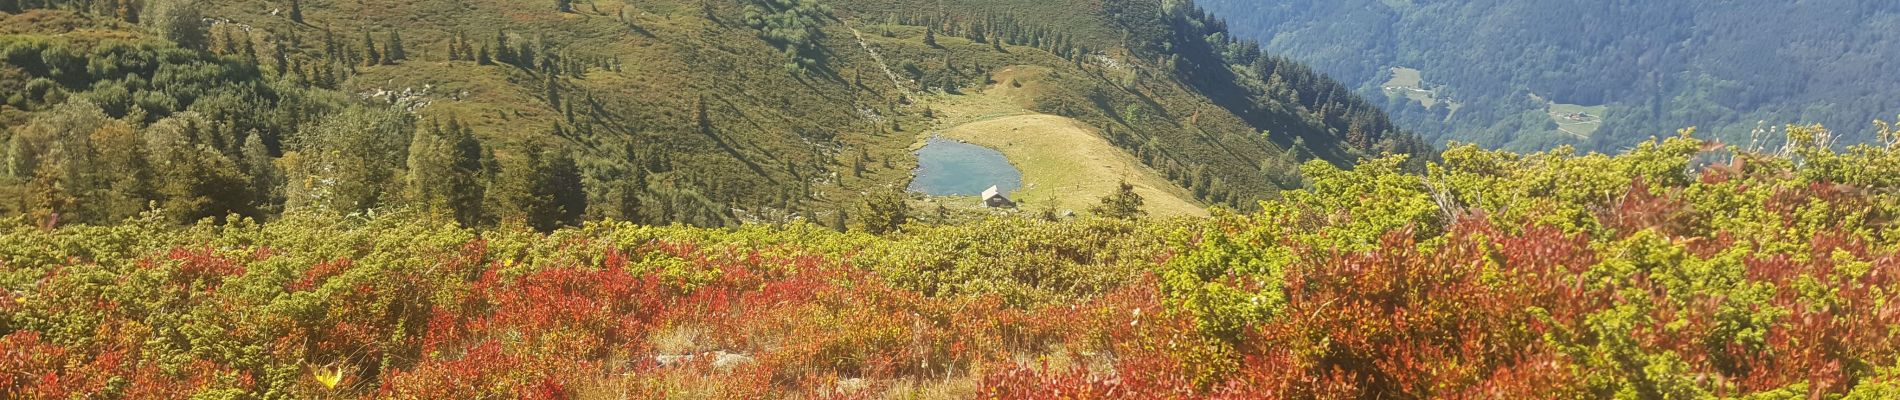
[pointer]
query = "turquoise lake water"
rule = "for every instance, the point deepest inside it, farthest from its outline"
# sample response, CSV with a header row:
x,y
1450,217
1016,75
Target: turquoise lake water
x,y
952,168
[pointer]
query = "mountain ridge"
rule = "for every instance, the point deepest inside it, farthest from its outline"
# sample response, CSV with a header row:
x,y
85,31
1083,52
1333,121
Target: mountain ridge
x,y
1728,68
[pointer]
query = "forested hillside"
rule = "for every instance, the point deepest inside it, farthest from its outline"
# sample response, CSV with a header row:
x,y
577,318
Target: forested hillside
x,y
1727,67
1492,275
550,113
615,199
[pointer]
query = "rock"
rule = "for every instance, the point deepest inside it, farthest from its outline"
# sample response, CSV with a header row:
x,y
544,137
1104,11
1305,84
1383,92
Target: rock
x,y
724,360
720,359
666,360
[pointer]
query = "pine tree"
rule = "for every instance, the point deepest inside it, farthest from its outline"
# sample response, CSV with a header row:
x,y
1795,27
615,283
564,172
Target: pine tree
x,y
394,48
445,172
195,180
703,119
455,48
884,211
524,56
542,191
930,36
482,57
266,178
1123,204
564,187
564,5
248,49
331,48
280,57
370,55
504,53
296,11
554,92
228,41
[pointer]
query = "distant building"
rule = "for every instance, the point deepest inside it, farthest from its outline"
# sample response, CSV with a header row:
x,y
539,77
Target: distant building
x,y
993,198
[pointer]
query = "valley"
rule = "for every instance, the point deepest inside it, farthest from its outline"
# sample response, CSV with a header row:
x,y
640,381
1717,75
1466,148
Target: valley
x,y
1066,164
763,199
1724,68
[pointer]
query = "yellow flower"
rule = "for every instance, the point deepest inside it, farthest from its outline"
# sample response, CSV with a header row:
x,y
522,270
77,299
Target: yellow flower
x,y
329,378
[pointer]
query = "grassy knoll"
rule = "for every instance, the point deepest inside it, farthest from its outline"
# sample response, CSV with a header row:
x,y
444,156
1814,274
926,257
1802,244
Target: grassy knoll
x,y
1063,160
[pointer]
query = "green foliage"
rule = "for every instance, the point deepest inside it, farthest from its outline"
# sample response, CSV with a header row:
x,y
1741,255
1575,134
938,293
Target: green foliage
x,y
1026,263
446,175
796,27
884,211
1123,204
180,21
1756,275
352,162
542,191
1639,274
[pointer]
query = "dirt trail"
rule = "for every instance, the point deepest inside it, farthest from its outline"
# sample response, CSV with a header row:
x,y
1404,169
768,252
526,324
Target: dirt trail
x,y
880,61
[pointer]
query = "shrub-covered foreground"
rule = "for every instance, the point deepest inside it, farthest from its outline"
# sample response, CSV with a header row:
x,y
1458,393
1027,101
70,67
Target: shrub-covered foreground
x,y
1679,269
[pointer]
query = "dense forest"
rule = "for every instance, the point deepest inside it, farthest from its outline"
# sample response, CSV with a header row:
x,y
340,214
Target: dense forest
x,y
1493,275
1732,68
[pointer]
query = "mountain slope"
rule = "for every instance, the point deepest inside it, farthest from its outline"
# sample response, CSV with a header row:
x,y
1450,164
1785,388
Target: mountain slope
x,y
654,111
1726,67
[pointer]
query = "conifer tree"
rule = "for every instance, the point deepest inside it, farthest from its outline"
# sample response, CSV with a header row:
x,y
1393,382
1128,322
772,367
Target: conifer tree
x,y
884,211
248,49
543,191
445,172
266,179
195,180
296,11
554,91
331,48
524,56
1123,204
455,49
504,53
370,55
394,48
228,42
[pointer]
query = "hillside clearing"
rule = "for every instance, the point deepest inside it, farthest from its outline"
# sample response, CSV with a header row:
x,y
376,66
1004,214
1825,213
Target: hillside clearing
x,y
1410,83
1062,160
1577,120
